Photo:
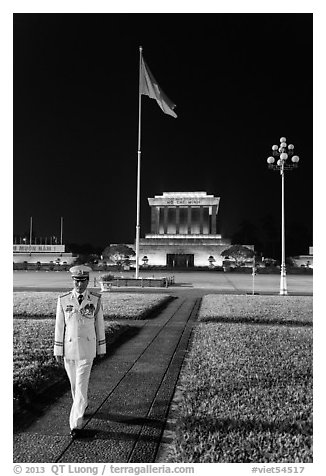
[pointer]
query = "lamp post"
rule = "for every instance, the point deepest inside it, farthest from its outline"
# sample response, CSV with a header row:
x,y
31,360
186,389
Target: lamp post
x,y
283,152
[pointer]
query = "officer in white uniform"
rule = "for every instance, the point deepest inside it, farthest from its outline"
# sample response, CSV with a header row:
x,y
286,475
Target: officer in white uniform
x,y
79,336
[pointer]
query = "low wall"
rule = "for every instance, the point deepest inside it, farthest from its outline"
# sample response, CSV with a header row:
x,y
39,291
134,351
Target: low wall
x,y
140,282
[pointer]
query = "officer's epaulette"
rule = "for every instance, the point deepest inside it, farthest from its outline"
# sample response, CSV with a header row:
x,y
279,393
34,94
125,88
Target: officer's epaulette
x,y
63,295
95,294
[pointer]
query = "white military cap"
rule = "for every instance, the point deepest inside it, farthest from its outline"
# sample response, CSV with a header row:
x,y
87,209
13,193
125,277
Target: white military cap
x,y
80,272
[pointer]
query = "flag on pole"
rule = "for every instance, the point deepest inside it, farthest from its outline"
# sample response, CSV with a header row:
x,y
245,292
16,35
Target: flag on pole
x,y
149,87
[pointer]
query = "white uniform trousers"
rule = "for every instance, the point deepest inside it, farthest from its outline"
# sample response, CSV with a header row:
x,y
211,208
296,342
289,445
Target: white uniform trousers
x,y
78,372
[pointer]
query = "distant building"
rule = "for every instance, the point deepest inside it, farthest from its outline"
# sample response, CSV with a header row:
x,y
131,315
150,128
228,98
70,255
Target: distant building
x,y
304,261
43,254
183,231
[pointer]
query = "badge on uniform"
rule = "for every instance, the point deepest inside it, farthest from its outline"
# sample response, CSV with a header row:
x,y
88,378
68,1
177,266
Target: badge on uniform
x,y
69,308
88,310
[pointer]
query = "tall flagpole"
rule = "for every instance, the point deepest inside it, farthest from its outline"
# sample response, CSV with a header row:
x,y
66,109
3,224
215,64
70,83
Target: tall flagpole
x,y
138,168
30,233
61,230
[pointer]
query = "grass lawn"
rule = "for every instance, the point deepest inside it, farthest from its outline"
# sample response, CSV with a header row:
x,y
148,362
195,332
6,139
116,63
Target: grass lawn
x,y
293,310
115,305
245,391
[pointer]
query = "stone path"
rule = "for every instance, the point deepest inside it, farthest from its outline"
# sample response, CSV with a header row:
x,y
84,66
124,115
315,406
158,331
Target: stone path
x,y
130,393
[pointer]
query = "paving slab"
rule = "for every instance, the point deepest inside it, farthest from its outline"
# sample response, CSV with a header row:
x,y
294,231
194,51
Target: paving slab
x,y
129,397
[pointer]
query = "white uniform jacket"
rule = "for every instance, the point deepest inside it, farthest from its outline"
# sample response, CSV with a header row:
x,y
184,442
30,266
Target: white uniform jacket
x,y
79,329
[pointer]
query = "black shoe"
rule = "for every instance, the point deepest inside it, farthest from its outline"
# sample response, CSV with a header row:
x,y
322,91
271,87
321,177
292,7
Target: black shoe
x,y
81,433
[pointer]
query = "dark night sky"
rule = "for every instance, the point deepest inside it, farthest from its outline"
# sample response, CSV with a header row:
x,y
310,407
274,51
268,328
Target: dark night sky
x,y
240,82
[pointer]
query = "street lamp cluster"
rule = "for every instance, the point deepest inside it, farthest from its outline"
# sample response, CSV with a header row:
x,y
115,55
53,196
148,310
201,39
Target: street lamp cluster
x,y
286,160
283,152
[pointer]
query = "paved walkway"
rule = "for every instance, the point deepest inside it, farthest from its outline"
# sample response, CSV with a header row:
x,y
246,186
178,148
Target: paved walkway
x,y
186,283
130,393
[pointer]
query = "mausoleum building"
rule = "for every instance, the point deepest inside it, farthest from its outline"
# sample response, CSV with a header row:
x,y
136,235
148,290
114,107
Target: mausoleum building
x,y
183,231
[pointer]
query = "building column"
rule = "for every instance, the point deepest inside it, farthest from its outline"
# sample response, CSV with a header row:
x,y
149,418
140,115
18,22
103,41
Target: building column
x,y
165,224
155,220
213,220
201,219
177,220
189,221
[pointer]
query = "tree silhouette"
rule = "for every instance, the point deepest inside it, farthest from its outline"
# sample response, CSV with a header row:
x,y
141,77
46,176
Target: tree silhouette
x,y
239,253
118,254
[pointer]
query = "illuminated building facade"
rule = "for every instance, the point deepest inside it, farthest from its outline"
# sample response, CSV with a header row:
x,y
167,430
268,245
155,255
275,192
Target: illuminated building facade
x,y
183,231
